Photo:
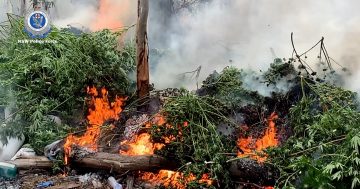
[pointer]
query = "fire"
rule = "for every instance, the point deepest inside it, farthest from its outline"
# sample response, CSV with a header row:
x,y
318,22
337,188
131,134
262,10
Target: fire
x,y
174,179
102,110
111,13
252,147
142,144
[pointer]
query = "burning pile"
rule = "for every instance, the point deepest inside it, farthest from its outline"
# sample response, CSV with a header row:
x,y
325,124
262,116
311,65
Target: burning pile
x,y
101,111
141,144
253,148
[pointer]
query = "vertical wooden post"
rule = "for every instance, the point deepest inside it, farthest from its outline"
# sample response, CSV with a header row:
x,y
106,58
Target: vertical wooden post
x,y
142,53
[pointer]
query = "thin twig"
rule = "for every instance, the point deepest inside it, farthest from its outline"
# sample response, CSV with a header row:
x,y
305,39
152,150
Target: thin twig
x,y
309,149
248,183
297,55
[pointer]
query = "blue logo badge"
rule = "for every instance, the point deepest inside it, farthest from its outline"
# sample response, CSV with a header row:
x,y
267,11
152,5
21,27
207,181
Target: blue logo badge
x,y
37,24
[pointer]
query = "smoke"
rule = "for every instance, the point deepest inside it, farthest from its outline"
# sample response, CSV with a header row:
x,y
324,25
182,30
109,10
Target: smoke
x,y
220,33
92,14
241,33
95,14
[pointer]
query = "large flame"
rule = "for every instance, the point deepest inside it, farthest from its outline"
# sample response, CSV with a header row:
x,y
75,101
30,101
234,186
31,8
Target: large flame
x,y
101,111
254,148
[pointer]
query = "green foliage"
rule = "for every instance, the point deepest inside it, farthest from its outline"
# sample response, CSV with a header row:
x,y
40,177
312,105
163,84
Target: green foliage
x,y
228,87
58,163
278,70
47,132
51,78
324,150
198,142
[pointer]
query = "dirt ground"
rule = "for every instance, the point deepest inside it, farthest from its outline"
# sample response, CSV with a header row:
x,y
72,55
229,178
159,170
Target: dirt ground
x,y
33,178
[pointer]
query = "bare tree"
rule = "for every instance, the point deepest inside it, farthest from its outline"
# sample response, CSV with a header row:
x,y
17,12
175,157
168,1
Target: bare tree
x,y
142,52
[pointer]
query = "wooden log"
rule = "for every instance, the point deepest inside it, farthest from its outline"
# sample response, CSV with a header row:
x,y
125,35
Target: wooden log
x,y
38,162
244,170
120,163
250,171
102,161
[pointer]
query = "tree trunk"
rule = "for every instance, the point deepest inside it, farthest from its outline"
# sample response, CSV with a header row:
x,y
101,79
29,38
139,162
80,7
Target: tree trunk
x,y
142,52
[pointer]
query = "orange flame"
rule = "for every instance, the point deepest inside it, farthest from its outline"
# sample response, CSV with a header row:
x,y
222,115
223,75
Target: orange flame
x,y
102,111
142,145
110,14
252,148
174,179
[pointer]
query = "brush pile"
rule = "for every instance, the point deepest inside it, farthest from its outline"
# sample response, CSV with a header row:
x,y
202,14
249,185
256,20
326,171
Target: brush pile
x,y
286,127
39,80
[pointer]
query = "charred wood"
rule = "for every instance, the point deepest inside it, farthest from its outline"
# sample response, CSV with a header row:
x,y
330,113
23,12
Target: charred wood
x,y
120,163
250,171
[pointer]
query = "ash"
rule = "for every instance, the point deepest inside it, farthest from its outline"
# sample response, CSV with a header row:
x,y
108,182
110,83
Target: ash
x,y
133,125
80,152
9,183
92,179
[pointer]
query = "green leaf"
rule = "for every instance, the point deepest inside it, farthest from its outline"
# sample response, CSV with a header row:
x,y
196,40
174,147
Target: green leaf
x,y
355,143
337,175
355,182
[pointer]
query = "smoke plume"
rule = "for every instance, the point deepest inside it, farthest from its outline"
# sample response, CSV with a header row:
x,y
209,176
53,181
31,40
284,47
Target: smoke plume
x,y
241,33
219,33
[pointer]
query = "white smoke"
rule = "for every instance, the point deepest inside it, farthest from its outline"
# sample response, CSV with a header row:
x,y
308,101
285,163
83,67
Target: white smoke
x,y
77,13
230,32
241,33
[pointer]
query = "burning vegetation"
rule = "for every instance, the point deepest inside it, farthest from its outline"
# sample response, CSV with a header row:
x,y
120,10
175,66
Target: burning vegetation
x,y
253,148
100,111
294,129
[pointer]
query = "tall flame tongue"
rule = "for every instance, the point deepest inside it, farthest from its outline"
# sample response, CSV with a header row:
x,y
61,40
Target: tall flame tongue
x,y
102,110
251,147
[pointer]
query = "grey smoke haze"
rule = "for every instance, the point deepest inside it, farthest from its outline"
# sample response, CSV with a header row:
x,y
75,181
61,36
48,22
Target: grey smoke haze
x,y
233,32
80,13
241,33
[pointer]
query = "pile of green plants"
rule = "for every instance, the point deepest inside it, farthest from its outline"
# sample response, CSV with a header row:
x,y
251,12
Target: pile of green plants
x,y
228,87
324,149
51,78
197,144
